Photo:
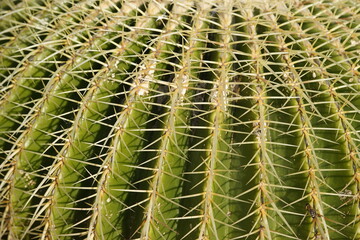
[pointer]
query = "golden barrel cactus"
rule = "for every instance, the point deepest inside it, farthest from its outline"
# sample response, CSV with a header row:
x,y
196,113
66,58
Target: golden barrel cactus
x,y
179,119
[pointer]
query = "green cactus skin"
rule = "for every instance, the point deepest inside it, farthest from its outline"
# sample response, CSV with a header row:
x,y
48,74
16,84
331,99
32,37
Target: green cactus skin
x,y
169,119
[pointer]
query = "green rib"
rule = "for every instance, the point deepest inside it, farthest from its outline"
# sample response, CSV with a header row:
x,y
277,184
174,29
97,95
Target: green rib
x,y
193,172
162,208
216,221
118,174
75,162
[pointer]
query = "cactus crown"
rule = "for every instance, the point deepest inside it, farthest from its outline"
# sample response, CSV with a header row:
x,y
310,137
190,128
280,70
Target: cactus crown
x,y
217,119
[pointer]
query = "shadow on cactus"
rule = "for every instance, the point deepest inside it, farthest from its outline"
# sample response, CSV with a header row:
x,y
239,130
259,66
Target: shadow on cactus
x,y
169,119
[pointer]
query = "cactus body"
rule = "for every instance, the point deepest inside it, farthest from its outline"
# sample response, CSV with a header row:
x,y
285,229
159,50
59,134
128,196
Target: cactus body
x,y
219,119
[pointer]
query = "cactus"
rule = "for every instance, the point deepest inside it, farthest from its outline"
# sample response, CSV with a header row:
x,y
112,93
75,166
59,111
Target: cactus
x,y
170,119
